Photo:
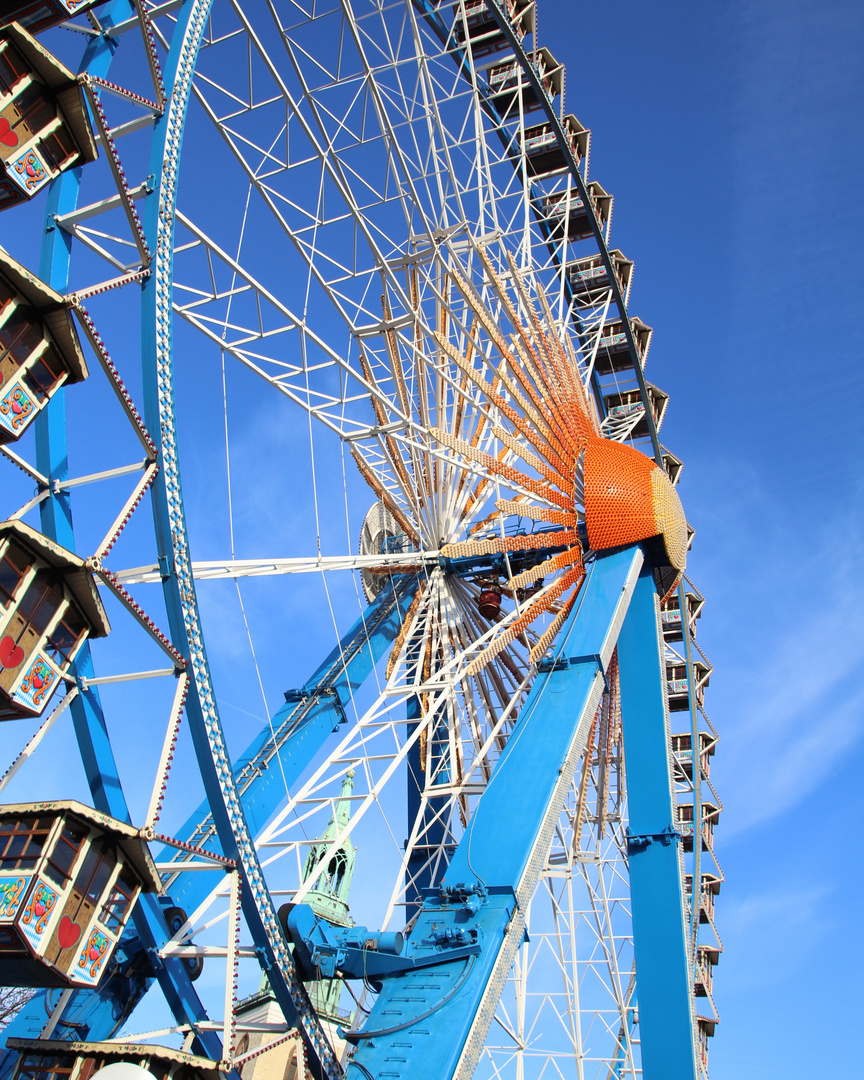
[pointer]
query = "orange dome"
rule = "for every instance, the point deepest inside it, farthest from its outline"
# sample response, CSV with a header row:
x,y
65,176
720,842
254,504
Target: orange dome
x,y
628,498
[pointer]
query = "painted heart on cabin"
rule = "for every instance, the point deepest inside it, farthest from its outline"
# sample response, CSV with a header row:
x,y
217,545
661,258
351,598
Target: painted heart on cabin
x,y
68,932
17,406
11,655
7,136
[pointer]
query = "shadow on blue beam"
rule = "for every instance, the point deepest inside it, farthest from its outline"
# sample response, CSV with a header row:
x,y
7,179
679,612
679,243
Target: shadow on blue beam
x,y
431,1024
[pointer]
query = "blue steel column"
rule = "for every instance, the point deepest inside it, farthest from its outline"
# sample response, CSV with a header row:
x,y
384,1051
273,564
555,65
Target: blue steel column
x,y
431,1023
662,969
51,459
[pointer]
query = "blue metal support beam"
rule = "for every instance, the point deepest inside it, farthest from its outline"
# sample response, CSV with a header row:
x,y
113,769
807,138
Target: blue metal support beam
x,y
432,827
430,1024
662,968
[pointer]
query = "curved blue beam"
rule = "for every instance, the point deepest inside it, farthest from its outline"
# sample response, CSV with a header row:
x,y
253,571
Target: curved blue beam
x,y
202,713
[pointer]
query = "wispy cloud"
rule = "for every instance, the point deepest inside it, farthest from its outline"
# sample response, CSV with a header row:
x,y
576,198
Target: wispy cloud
x,y
790,694
785,924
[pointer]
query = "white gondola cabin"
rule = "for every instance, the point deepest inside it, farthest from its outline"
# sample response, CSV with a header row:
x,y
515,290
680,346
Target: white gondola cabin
x,y
627,411
710,888
707,957
670,615
678,686
39,347
510,85
48,607
480,27
44,127
710,817
39,15
613,352
56,1059
69,877
672,464
566,214
682,749
543,153
589,279
705,1026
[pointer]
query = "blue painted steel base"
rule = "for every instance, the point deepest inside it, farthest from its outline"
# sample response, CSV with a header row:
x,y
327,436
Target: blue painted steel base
x,y
662,970
431,1023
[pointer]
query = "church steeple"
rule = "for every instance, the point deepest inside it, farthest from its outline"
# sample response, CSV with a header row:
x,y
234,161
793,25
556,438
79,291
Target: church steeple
x,y
328,897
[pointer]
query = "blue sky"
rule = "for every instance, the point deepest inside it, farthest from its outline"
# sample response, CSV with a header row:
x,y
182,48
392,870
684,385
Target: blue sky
x,y
728,135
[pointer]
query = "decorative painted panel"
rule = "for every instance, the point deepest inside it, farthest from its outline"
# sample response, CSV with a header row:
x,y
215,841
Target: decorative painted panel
x,y
38,913
28,171
38,684
89,966
17,409
12,890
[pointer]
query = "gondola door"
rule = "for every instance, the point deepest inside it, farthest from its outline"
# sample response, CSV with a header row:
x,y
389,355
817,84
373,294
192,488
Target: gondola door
x,y
34,612
85,895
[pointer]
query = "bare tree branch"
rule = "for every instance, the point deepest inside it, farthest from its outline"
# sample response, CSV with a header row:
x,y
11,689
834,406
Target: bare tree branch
x,y
12,1000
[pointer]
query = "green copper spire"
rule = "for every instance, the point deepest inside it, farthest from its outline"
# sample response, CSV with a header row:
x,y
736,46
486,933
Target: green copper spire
x,y
328,897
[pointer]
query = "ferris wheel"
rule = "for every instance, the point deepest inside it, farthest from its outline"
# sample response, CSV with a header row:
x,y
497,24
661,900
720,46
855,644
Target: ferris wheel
x,y
329,283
